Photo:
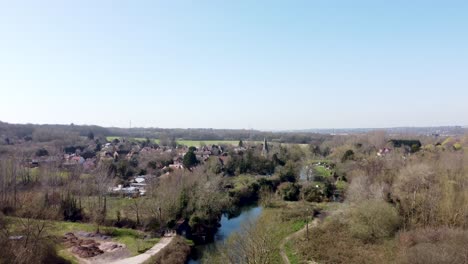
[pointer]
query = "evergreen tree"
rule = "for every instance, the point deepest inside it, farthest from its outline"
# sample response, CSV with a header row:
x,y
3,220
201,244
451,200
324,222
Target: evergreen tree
x,y
190,160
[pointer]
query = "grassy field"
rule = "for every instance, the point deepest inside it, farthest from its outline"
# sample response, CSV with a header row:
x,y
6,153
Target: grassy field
x,y
322,171
190,143
114,204
198,143
133,138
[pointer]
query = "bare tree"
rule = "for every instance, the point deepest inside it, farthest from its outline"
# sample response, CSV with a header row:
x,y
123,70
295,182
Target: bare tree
x,y
256,243
103,180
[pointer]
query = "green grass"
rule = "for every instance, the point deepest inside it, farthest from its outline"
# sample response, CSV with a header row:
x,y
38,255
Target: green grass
x,y
288,218
243,180
297,225
65,254
292,256
198,143
191,143
111,138
33,172
322,171
341,185
114,204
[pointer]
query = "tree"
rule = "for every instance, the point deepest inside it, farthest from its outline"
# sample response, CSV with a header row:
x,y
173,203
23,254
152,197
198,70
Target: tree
x,y
348,155
417,193
377,138
103,179
192,148
135,207
190,160
312,193
42,152
256,243
241,144
90,135
289,191
70,209
164,140
289,172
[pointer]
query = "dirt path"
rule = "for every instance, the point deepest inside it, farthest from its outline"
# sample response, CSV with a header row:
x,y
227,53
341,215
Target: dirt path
x,y
283,254
139,259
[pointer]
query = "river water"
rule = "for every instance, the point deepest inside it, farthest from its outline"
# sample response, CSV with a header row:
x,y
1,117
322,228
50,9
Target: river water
x,y
228,226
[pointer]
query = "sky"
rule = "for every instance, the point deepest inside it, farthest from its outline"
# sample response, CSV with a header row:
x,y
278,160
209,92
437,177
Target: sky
x,y
268,65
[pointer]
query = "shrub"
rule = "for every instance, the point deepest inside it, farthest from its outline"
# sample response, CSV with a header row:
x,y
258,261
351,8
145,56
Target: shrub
x,y
348,155
331,243
70,210
88,154
288,173
312,193
289,191
372,220
42,152
431,246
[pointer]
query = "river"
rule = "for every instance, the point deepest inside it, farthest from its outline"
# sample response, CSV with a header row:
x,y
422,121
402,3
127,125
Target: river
x,y
228,226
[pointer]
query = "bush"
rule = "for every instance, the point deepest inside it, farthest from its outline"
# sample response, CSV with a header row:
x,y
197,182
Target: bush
x,y
289,191
311,193
431,246
372,220
70,210
288,173
88,154
348,155
331,243
246,194
42,152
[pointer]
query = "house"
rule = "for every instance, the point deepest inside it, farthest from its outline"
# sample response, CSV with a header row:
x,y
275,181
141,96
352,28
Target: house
x,y
176,166
125,191
239,149
89,164
73,160
140,183
383,151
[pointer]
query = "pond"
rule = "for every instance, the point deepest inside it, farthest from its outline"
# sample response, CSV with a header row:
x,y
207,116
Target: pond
x,y
228,226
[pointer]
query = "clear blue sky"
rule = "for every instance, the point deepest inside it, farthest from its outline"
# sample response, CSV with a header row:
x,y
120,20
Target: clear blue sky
x,y
235,64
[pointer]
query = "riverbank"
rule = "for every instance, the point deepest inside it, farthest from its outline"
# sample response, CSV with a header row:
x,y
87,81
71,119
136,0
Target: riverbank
x,y
286,248
229,224
261,240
